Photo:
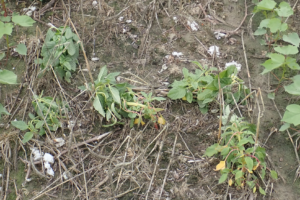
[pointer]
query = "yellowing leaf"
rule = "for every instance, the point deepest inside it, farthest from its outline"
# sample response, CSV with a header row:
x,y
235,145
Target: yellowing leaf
x,y
137,121
254,189
184,98
220,166
242,184
230,182
161,120
249,171
255,167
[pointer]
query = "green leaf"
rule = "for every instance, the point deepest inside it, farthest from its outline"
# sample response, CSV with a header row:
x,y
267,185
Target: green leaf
x,y
287,50
292,114
5,28
39,124
238,175
68,33
177,93
245,141
8,77
202,95
274,24
276,61
292,38
71,48
284,127
102,74
283,27
292,63
274,174
260,31
115,94
114,111
20,125
266,5
262,191
284,10
271,95
212,150
249,163
3,110
294,88
27,137
5,19
21,49
189,96
97,105
2,55
223,178
23,20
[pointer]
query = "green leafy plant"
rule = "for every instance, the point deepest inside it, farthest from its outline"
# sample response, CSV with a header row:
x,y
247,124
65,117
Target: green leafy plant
x,y
116,100
203,86
60,50
242,161
48,116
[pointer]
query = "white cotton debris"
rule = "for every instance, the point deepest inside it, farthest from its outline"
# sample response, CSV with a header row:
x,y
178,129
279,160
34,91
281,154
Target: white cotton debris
x,y
237,65
59,142
177,54
49,169
163,68
128,21
37,155
175,19
29,10
121,19
28,179
214,50
94,3
1,175
194,26
219,35
94,59
65,176
48,158
51,25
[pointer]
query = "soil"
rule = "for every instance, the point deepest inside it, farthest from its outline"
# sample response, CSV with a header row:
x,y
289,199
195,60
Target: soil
x,y
137,38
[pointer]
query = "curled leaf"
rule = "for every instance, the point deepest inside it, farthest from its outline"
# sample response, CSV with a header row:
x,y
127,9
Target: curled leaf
x,y
220,166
